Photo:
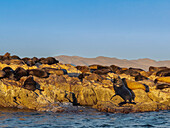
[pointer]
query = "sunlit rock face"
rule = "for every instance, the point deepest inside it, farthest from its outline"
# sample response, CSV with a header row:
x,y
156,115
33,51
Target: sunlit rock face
x,y
46,84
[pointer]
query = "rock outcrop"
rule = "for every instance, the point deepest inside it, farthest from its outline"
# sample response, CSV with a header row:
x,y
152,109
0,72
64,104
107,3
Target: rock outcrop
x,y
62,83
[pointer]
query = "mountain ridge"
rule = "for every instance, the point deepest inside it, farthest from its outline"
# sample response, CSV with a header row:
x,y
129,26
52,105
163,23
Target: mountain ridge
x,y
143,63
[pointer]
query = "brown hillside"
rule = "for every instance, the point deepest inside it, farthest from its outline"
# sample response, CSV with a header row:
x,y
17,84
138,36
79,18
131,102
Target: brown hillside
x,y
139,63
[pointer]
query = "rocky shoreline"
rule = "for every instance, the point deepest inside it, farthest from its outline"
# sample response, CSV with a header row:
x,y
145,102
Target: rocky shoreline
x,y
43,84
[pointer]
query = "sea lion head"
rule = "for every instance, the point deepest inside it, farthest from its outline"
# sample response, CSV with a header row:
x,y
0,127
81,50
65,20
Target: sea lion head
x,y
117,81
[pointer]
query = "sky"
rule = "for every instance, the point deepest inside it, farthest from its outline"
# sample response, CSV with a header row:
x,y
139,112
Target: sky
x,y
125,29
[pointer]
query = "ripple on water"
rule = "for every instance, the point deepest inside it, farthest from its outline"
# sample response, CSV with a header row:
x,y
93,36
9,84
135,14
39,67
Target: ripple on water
x,y
89,118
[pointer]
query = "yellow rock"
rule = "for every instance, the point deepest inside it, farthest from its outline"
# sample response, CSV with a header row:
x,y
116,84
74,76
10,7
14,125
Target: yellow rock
x,y
164,79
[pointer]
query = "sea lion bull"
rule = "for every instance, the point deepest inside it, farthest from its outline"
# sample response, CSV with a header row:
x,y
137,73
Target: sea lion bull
x,y
122,91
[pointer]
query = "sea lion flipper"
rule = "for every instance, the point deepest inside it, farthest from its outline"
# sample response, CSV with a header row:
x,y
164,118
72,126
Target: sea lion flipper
x,y
113,96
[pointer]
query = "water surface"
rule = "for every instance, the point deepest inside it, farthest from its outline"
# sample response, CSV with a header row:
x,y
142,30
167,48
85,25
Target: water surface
x,y
82,117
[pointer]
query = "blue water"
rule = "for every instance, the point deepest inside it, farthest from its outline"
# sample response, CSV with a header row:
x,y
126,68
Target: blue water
x,y
81,117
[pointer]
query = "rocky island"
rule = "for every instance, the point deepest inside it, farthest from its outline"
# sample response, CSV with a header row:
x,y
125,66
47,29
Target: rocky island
x,y
43,84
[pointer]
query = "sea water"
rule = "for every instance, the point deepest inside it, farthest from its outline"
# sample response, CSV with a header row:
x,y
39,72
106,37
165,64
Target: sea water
x,y
82,117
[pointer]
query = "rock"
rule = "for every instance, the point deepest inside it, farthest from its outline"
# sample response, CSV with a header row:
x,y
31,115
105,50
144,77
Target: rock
x,y
63,85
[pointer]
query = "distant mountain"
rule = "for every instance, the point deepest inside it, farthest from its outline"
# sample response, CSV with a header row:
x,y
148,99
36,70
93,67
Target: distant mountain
x,y
107,61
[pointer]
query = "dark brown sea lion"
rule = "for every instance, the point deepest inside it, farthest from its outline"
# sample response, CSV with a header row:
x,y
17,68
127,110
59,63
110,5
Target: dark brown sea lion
x,y
28,61
25,59
49,60
20,72
38,73
140,78
55,71
83,69
30,84
122,90
153,69
1,58
6,61
95,77
162,86
15,57
7,55
164,72
116,69
9,73
16,61
102,71
136,69
35,59
131,72
133,94
136,85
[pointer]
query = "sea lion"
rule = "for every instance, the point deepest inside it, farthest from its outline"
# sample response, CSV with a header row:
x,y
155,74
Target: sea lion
x,y
35,59
20,72
98,67
136,85
162,79
164,72
38,73
9,73
140,78
121,90
49,60
131,72
162,86
155,69
83,69
136,69
7,55
102,71
55,71
15,57
133,94
1,58
94,76
16,61
28,61
29,84
25,59
116,69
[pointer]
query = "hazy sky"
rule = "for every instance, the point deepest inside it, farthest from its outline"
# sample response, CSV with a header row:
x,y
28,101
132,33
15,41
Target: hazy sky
x,y
126,29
